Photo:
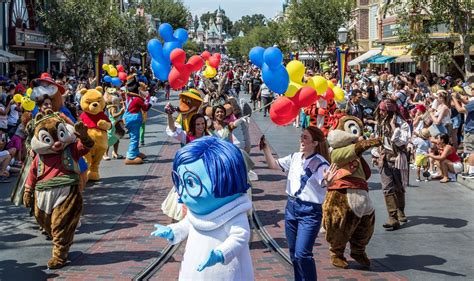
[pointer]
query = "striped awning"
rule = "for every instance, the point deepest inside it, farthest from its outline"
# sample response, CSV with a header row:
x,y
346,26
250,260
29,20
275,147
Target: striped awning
x,y
365,56
6,57
379,59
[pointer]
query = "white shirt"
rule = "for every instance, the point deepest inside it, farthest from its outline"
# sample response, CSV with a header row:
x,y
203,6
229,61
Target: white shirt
x,y
299,169
13,116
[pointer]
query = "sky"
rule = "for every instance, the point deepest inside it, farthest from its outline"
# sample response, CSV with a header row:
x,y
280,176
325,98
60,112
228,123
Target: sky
x,y
235,9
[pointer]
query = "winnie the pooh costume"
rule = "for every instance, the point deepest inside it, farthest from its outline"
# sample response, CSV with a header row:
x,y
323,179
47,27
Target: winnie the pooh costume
x,y
54,179
93,116
348,212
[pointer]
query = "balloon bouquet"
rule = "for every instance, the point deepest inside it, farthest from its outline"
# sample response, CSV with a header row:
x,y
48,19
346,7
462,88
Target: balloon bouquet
x,y
212,63
169,59
288,82
25,100
115,76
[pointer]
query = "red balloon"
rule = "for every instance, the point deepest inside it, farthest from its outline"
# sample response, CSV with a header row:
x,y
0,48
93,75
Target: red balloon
x,y
179,74
205,55
283,111
215,60
120,68
305,96
329,94
122,76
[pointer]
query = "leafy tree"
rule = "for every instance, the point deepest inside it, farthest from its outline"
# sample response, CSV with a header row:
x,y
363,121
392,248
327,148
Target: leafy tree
x,y
192,48
420,18
78,28
314,23
171,11
196,22
130,35
264,36
246,23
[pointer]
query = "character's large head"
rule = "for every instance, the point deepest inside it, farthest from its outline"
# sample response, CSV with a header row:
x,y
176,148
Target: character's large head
x,y
92,102
190,101
209,173
45,86
51,133
345,131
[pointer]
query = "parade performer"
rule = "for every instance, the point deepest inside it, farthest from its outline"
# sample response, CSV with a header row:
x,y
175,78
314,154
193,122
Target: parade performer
x,y
391,159
115,111
93,116
54,180
211,180
348,212
189,103
134,105
308,175
143,89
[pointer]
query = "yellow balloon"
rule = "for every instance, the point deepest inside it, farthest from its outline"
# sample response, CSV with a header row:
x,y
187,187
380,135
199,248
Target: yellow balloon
x,y
29,91
293,87
330,84
338,93
319,84
210,72
27,104
296,71
112,71
17,98
105,67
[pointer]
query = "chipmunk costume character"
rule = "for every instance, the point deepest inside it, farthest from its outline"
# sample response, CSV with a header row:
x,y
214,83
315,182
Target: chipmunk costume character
x,y
348,213
54,179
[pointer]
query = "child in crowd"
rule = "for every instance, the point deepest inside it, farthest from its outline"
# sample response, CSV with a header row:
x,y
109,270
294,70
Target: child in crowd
x,y
422,145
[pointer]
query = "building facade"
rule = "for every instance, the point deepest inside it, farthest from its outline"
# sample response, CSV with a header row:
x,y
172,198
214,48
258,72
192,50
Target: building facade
x,y
214,38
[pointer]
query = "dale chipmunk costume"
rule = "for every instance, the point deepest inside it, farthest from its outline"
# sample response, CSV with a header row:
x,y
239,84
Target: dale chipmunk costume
x,y
348,212
93,116
54,179
211,180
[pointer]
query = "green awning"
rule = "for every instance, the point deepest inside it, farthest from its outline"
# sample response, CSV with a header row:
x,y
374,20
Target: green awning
x,y
380,59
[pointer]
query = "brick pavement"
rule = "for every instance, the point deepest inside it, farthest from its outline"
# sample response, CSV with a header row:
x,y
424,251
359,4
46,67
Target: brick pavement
x,y
269,197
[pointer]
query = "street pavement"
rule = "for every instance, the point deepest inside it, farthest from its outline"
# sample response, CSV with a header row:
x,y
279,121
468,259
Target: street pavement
x,y
120,211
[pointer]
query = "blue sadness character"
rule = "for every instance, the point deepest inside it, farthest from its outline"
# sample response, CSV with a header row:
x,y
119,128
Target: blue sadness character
x,y
211,180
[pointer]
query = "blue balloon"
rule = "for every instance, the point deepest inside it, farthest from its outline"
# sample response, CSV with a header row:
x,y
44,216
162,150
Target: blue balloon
x,y
181,35
107,79
166,31
273,57
155,49
256,56
168,47
277,79
116,81
160,70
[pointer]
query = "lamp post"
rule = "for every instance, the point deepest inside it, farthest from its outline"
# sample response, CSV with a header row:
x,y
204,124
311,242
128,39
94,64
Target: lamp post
x,y
341,54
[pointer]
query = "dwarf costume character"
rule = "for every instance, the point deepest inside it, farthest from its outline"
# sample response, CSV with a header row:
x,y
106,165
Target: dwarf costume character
x,y
134,105
54,179
348,212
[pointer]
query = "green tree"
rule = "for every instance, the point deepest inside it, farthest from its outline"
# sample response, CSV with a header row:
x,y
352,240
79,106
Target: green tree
x,y
78,28
168,11
191,48
246,23
130,35
418,19
314,23
264,36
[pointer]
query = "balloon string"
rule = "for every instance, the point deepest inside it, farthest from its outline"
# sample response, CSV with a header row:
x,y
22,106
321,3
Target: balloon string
x,y
267,105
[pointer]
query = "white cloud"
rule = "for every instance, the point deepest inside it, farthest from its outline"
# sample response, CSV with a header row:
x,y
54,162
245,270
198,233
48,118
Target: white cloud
x,y
235,9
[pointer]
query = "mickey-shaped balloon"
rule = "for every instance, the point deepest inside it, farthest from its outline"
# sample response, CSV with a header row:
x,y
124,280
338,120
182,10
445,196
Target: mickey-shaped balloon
x,y
172,40
212,63
296,71
181,71
211,180
274,73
